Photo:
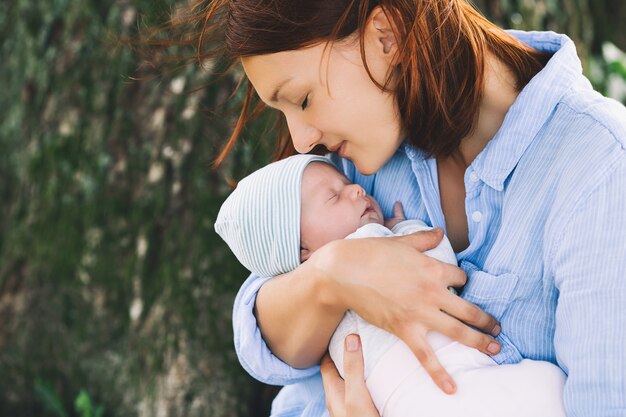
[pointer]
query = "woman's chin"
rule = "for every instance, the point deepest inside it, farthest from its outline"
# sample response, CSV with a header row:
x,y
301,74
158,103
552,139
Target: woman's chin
x,y
366,168
368,163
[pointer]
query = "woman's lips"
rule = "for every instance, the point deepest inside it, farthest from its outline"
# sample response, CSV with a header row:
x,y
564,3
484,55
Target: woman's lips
x,y
342,150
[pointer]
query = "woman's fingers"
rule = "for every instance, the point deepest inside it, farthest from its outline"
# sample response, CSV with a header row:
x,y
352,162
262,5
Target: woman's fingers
x,y
450,275
349,398
461,332
470,314
334,388
358,399
423,241
416,340
393,286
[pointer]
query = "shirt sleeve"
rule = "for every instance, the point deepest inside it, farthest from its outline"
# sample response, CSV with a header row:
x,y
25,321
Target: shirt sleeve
x,y
254,355
589,268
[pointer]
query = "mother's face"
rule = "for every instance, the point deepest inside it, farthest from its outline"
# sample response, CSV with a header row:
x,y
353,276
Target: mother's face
x,y
328,98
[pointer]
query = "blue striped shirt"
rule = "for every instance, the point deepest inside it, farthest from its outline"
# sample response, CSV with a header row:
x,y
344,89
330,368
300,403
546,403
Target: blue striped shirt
x,y
546,209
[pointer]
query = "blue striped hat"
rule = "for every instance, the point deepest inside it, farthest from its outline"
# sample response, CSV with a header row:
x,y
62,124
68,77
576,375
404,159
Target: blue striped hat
x,y
260,220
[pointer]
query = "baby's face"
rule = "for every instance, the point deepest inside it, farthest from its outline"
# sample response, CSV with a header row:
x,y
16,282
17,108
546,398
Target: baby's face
x,y
332,207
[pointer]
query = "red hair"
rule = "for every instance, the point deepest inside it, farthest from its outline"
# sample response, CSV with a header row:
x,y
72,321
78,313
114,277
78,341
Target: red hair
x,y
441,54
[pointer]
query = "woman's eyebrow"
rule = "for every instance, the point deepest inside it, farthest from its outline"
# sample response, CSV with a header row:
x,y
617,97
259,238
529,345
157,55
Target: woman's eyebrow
x,y
274,98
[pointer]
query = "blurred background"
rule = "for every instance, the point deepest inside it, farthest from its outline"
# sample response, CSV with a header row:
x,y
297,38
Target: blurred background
x,y
115,292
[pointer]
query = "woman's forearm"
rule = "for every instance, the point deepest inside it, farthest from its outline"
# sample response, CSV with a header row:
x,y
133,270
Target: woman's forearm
x,y
388,282
297,314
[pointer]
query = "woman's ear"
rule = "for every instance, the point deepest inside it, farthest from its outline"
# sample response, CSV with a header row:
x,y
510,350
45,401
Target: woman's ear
x,y
381,34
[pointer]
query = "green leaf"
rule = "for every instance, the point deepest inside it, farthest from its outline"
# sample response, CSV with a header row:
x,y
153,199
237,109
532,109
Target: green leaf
x,y
85,407
45,392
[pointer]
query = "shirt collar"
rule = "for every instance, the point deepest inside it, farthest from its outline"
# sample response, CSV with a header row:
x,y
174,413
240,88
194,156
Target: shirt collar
x,y
532,108
529,112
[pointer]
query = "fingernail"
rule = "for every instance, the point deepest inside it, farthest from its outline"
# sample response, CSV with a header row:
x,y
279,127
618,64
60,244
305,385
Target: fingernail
x,y
448,387
493,348
496,330
352,343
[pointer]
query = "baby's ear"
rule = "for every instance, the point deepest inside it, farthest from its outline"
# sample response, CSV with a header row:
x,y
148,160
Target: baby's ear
x,y
304,254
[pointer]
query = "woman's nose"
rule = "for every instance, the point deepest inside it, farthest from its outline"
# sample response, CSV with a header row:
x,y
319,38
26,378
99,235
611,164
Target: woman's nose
x,y
303,135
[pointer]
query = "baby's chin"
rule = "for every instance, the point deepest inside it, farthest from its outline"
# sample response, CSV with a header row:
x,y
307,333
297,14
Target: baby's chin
x,y
372,217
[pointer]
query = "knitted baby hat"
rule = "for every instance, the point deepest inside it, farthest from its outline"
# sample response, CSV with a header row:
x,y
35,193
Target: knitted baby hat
x,y
260,220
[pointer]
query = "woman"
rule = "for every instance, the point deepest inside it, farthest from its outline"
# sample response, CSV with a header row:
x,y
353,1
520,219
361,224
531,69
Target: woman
x,y
495,137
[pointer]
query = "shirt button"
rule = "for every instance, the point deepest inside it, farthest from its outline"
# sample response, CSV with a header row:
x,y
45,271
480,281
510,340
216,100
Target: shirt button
x,y
477,216
473,177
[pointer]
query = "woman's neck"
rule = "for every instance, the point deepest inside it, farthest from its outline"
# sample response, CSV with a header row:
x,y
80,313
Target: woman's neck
x,y
499,94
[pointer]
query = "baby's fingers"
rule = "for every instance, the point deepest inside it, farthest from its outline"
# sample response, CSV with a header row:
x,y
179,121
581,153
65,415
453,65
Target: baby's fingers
x,y
398,212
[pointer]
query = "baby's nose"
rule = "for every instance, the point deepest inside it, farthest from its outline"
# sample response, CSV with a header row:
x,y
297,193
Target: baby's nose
x,y
357,191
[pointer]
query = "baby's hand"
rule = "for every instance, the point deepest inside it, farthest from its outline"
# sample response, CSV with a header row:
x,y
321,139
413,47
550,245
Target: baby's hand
x,y
398,216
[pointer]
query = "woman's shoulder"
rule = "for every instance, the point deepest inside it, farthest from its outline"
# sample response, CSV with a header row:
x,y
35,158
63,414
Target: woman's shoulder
x,y
585,134
594,115
579,148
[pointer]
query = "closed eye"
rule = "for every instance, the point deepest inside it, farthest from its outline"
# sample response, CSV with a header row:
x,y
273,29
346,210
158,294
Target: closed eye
x,y
305,103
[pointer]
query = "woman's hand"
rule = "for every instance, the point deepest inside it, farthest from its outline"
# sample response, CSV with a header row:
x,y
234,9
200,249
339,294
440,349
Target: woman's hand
x,y
391,284
349,398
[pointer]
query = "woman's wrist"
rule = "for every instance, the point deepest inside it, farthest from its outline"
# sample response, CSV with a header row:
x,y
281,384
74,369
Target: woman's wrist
x,y
328,288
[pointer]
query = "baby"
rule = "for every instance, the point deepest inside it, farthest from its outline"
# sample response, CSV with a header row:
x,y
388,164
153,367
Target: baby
x,y
279,215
